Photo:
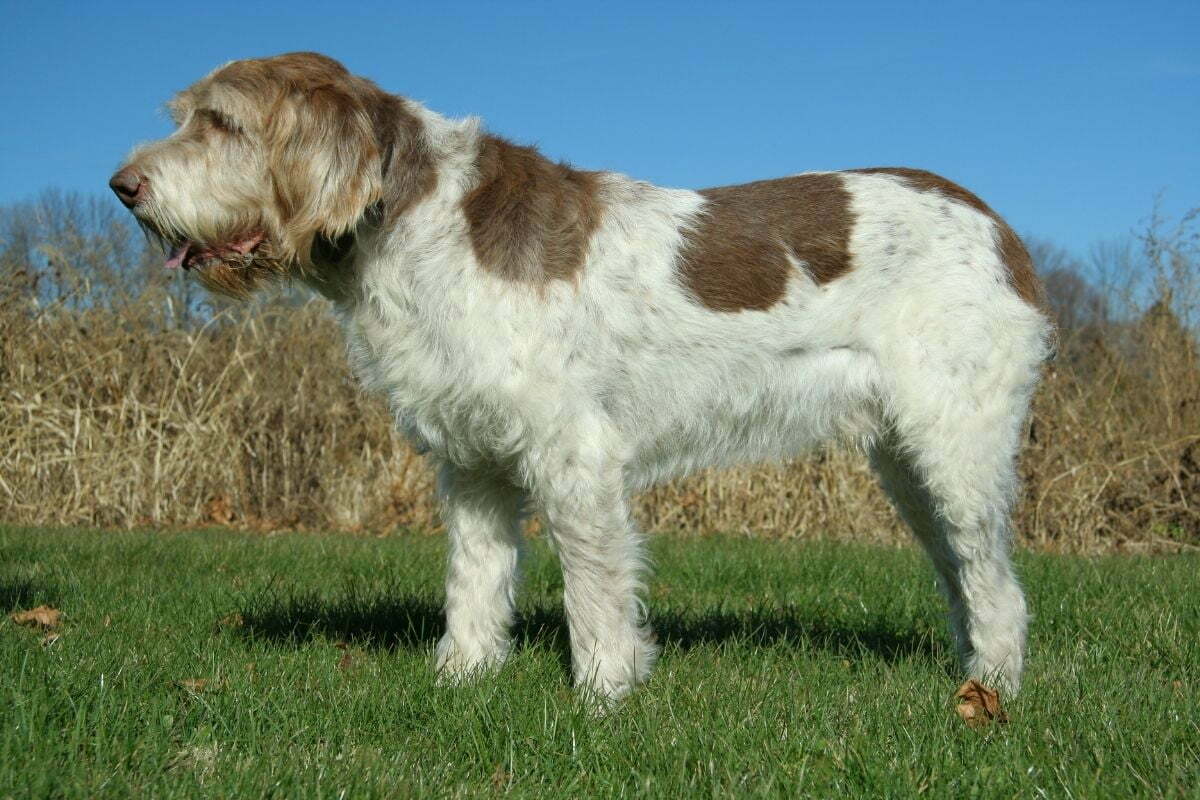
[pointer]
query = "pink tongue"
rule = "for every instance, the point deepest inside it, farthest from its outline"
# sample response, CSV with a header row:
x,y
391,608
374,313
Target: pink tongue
x,y
246,245
175,260
180,253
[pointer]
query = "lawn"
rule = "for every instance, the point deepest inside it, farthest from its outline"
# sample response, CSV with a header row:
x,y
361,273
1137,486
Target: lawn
x,y
232,665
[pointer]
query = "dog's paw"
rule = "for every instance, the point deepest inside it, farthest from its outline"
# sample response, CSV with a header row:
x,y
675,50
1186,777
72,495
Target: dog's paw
x,y
456,665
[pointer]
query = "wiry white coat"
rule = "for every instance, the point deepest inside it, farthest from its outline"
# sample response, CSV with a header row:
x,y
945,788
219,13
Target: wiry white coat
x,y
572,395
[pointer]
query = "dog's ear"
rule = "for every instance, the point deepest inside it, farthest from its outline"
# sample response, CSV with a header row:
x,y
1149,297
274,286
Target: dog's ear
x,y
325,163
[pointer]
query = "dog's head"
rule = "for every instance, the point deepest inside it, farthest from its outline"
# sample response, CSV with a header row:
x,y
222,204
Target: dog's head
x,y
272,158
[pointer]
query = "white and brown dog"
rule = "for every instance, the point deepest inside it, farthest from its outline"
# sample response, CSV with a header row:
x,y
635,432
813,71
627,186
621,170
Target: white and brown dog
x,y
558,339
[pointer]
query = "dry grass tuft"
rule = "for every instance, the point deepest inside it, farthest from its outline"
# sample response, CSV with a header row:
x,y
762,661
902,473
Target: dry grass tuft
x,y
124,401
251,422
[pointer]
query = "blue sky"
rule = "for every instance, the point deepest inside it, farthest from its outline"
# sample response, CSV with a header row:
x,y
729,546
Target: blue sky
x,y
1068,118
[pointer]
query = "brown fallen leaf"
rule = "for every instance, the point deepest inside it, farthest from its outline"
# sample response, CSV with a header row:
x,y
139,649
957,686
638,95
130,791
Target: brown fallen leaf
x,y
979,705
193,684
45,617
501,777
234,620
219,509
351,656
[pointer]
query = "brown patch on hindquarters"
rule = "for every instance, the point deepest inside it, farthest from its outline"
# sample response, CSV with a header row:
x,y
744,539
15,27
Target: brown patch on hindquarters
x,y
530,219
1009,246
738,257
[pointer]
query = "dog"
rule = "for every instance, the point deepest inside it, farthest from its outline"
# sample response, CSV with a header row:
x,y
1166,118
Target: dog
x,y
557,339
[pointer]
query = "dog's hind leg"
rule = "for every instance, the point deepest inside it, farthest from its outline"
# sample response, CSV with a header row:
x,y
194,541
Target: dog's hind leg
x,y
971,556
482,513
948,461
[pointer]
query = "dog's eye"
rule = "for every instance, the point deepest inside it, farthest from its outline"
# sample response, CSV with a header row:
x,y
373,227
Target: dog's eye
x,y
221,122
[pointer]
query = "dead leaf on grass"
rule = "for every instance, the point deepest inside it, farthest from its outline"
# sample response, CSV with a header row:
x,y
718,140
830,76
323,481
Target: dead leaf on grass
x,y
45,617
979,705
501,777
193,684
350,655
201,758
234,620
49,639
219,509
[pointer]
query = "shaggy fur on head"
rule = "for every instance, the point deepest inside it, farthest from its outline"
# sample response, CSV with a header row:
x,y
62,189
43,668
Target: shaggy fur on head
x,y
557,339
286,155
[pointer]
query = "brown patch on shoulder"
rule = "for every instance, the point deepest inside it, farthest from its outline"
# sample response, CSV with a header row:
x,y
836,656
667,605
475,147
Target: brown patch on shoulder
x,y
1012,251
530,219
737,258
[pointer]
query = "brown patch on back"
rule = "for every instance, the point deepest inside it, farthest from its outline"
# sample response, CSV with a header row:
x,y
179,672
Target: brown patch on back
x,y
1012,251
737,258
530,219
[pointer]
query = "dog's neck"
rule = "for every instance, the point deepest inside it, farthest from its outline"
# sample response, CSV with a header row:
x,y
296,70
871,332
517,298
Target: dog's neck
x,y
426,158
457,198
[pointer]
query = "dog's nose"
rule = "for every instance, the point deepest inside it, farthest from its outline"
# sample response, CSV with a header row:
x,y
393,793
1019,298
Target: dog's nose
x,y
129,186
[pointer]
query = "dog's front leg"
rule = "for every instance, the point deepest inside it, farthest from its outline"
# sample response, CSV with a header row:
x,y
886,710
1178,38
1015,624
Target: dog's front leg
x,y
582,498
482,513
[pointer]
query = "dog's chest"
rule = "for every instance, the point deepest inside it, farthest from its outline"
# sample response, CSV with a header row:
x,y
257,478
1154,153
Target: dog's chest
x,y
451,390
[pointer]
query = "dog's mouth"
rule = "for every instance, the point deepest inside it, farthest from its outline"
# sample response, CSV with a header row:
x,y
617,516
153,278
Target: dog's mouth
x,y
194,255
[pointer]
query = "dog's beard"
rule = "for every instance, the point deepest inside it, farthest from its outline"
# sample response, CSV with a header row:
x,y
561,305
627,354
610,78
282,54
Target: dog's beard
x,y
235,267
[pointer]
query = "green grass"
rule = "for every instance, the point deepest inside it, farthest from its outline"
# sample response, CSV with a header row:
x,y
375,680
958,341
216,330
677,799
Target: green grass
x,y
788,669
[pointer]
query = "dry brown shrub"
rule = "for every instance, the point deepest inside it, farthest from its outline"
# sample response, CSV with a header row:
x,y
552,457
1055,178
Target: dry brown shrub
x,y
125,402
252,422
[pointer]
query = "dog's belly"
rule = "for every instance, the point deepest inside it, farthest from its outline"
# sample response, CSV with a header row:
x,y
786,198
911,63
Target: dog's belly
x,y
768,409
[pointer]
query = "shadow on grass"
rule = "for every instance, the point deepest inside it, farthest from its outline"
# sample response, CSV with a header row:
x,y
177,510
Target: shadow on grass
x,y
417,622
412,622
764,626
17,594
